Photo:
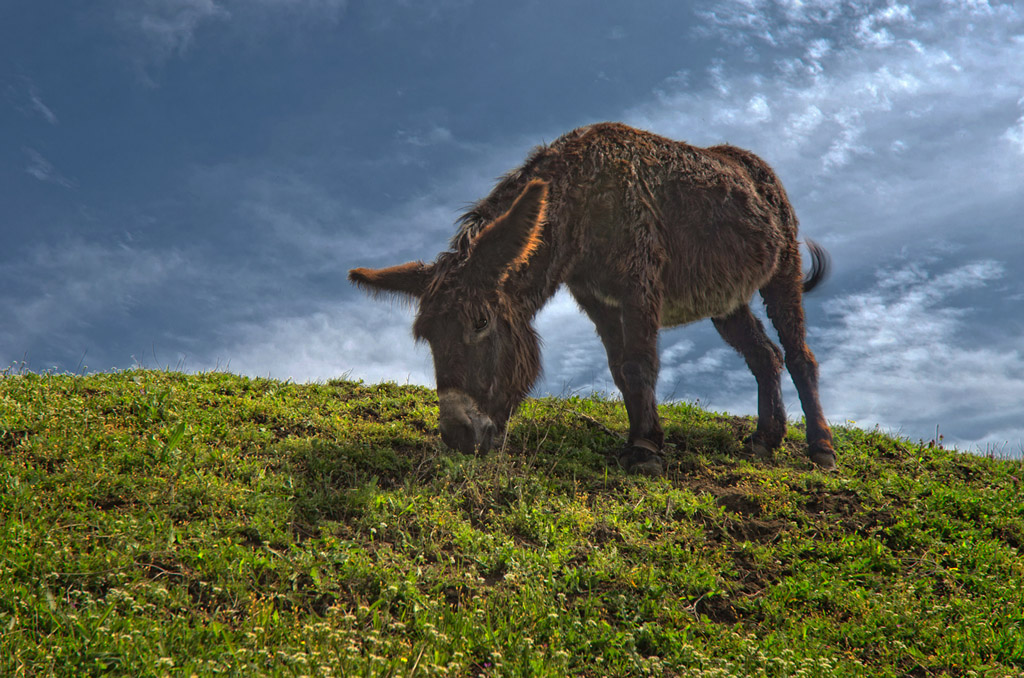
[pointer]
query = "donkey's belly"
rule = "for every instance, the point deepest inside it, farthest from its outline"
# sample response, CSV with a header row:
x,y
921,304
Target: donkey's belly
x,y
693,294
688,309
713,271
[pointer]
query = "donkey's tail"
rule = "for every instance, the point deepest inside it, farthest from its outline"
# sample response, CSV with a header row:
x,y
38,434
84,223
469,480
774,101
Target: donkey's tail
x,y
821,262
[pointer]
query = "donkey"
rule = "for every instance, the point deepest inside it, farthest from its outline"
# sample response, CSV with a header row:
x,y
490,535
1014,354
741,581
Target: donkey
x,y
646,232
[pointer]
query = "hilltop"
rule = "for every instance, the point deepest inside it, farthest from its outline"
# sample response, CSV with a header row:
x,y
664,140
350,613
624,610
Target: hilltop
x,y
154,523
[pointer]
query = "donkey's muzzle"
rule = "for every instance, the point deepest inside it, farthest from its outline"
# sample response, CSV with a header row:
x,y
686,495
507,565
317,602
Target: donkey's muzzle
x,y
463,426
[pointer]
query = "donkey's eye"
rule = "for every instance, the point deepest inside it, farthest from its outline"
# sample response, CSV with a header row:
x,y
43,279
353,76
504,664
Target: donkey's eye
x,y
481,324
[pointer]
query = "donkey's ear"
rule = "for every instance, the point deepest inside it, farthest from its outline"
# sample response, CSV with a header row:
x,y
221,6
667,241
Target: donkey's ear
x,y
506,243
410,279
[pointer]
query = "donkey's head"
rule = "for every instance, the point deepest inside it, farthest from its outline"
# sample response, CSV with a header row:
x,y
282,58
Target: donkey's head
x,y
486,354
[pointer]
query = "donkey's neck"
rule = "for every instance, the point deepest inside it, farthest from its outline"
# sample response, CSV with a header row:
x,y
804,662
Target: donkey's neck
x,y
532,286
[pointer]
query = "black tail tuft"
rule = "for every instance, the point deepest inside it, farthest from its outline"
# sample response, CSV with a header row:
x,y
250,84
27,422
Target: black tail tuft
x,y
821,263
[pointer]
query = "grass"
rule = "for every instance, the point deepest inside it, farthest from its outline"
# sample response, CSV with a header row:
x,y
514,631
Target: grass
x,y
154,523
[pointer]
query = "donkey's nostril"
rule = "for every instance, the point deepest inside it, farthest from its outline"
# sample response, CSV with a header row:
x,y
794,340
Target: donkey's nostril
x,y
463,426
459,436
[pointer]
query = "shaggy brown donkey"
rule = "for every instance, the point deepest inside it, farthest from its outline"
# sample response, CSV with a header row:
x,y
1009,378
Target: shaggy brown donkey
x,y
646,232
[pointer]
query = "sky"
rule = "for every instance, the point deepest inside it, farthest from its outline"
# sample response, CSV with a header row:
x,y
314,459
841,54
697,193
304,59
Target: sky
x,y
184,184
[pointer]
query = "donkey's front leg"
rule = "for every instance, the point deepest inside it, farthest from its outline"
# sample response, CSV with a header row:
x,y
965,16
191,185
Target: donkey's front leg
x,y
636,374
631,341
643,455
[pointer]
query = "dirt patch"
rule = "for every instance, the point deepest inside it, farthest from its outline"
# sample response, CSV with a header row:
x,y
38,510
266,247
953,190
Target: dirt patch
x,y
456,595
740,503
1010,535
752,578
716,608
602,533
761,531
841,503
897,451
12,438
729,480
107,501
365,412
301,531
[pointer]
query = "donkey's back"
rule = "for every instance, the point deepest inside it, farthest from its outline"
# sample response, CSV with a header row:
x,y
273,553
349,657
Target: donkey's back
x,y
705,227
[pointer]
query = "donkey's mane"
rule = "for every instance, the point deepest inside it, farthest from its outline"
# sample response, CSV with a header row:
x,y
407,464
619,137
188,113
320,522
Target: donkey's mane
x,y
501,197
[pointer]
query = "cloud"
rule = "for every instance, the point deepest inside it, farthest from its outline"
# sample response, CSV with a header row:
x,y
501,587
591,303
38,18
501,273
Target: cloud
x,y
901,354
300,218
784,25
836,60
43,170
23,94
879,142
55,293
428,137
167,27
159,30
845,103
573,358
347,339
873,30
40,108
1015,134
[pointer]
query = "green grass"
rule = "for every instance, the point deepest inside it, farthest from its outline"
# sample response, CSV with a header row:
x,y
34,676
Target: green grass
x,y
153,523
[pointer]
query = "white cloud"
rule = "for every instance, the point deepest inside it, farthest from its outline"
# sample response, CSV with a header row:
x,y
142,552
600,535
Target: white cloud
x,y
846,144
298,214
43,170
59,289
167,27
758,109
41,108
876,145
900,355
23,94
347,339
815,105
873,29
573,358
432,136
162,29
1015,134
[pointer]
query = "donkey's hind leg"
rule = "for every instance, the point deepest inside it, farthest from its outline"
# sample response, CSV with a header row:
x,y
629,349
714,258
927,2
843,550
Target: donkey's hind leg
x,y
783,297
745,333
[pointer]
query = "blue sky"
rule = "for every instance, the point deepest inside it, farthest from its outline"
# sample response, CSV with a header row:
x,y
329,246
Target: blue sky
x,y
186,182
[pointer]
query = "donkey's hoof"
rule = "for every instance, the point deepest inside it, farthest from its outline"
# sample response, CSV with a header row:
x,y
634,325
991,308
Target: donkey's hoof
x,y
642,462
757,448
823,456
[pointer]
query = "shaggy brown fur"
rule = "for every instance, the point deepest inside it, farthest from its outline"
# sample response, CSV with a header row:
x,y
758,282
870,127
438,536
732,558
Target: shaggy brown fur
x,y
645,232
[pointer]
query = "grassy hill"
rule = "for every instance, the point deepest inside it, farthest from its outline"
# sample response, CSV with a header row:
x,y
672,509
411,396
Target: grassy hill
x,y
154,523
